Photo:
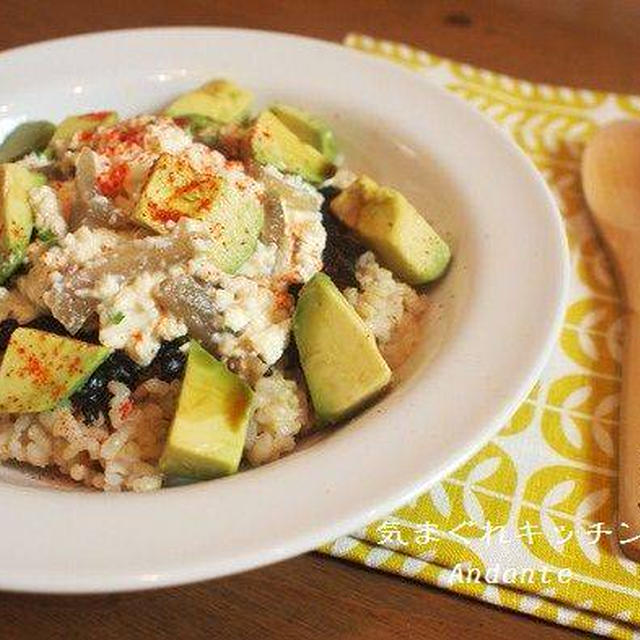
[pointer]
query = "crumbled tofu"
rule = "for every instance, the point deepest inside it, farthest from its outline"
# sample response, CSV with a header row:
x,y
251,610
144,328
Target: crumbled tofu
x,y
299,250
85,244
35,160
130,318
255,319
262,263
74,251
164,136
47,212
305,242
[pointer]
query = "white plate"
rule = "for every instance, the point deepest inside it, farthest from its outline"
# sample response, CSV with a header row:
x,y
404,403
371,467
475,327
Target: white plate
x,y
494,318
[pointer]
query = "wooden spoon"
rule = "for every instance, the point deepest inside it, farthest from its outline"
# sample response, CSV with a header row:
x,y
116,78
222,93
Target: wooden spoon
x,y
611,183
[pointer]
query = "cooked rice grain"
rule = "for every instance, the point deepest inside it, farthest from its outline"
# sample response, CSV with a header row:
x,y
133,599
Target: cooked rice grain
x,y
122,457
380,300
281,412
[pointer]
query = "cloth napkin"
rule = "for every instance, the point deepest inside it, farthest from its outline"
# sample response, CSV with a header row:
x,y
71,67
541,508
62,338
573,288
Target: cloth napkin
x,y
541,494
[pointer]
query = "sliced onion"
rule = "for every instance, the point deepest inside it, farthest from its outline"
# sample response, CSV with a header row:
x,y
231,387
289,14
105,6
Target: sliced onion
x,y
70,300
190,301
92,208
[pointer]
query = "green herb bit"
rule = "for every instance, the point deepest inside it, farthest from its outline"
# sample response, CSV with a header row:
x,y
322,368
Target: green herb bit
x,y
47,236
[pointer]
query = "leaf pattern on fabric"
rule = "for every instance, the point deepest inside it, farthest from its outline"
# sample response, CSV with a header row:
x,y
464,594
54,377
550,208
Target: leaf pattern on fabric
x,y
550,472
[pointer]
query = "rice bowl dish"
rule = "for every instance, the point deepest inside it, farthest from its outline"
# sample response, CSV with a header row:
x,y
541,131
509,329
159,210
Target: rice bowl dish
x,y
189,294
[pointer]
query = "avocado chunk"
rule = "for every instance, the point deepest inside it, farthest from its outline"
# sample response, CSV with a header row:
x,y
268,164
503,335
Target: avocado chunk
x,y
25,138
221,100
16,216
84,122
309,128
40,369
386,222
208,431
233,214
270,142
340,359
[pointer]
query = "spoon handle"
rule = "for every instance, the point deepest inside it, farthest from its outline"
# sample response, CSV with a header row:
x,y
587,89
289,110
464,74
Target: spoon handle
x,y
626,262
629,441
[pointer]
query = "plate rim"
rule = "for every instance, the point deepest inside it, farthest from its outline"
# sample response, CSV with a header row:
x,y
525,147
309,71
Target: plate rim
x,y
199,569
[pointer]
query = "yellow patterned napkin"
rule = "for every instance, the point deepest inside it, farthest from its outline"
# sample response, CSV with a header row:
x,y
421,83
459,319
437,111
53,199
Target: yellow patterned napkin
x,y
527,522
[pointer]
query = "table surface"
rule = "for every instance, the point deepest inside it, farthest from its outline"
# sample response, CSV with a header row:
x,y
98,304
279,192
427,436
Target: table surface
x,y
586,43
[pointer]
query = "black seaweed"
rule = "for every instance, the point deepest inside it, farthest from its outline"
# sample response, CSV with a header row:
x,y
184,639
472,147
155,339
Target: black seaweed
x,y
342,249
168,365
7,327
93,397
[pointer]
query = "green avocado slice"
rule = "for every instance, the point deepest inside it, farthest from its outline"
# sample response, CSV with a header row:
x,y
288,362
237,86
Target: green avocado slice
x,y
386,222
25,138
207,435
270,142
16,217
340,359
221,100
40,369
234,215
84,122
309,128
